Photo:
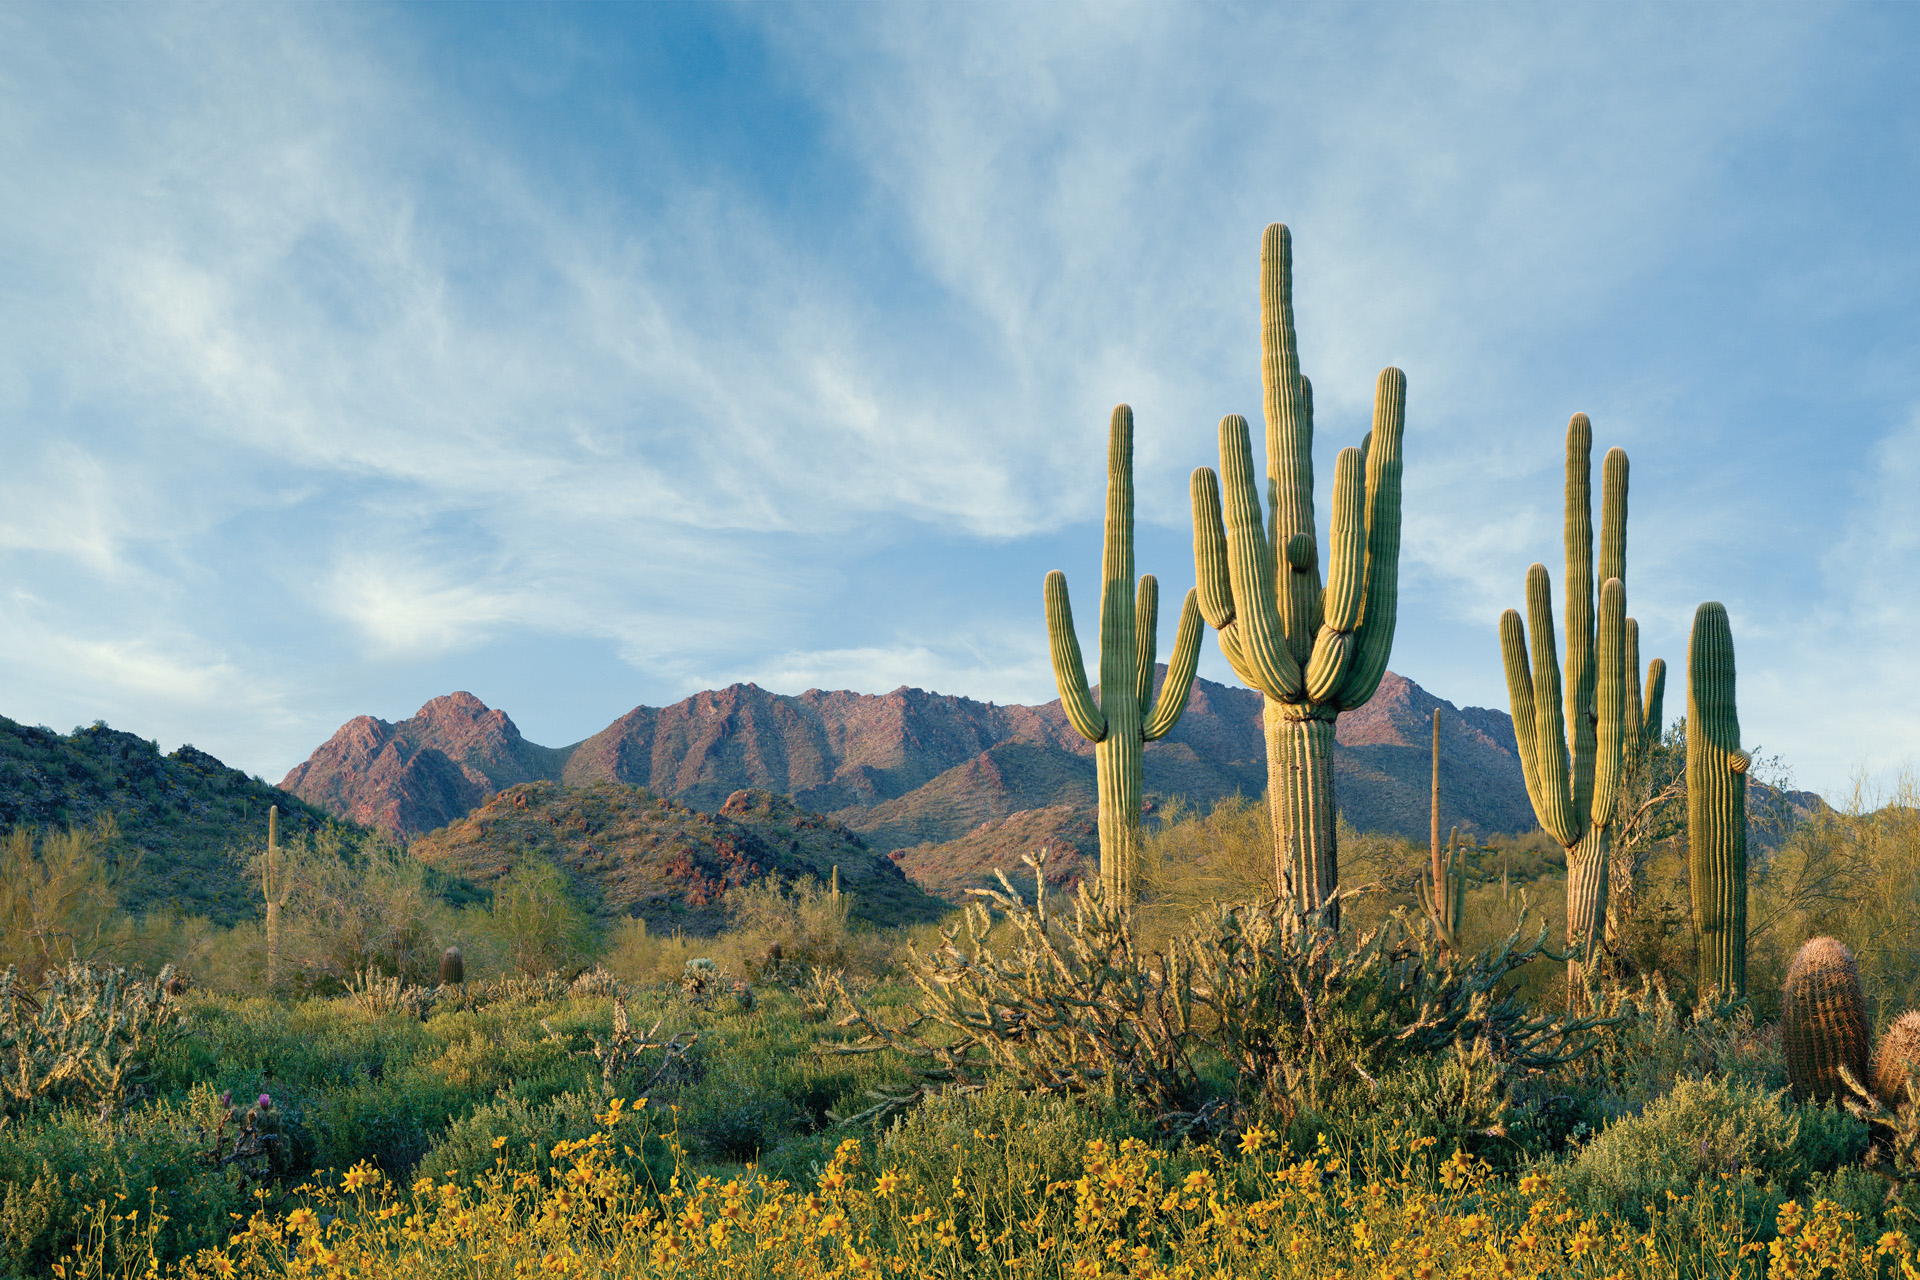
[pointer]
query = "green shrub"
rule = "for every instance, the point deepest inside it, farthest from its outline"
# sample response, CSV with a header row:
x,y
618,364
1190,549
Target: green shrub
x,y
1708,1130
994,1149
55,1167
735,1113
467,1148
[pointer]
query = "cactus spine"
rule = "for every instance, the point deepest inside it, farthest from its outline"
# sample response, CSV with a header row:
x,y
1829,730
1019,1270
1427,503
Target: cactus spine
x,y
1574,741
1716,805
1127,714
1312,651
274,887
1823,1021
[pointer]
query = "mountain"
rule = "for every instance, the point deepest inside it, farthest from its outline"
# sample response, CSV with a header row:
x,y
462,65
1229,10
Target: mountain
x,y
427,771
636,855
184,817
909,768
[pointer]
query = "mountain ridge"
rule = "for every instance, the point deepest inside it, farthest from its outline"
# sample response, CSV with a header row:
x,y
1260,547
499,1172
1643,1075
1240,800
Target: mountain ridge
x,y
907,768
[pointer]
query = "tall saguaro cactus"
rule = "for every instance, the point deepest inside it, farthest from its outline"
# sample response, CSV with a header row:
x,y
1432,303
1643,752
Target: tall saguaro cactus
x,y
1716,804
1127,715
1574,741
1313,651
273,884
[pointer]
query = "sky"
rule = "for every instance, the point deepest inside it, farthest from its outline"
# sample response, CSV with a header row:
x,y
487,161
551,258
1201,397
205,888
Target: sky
x,y
588,356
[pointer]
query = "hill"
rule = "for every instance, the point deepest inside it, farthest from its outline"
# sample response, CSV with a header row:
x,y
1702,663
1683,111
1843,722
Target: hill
x,y
633,854
184,817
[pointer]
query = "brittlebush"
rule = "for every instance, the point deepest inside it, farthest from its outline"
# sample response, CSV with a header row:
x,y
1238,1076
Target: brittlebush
x,y
1131,1212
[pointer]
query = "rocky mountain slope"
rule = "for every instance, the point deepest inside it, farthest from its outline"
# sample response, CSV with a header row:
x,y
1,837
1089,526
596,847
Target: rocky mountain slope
x,y
186,820
907,768
635,855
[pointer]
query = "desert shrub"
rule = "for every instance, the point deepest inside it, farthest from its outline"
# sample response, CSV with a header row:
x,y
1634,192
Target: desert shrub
x,y
538,920
357,902
58,893
733,1112
1651,1044
1756,1141
55,1167
473,1145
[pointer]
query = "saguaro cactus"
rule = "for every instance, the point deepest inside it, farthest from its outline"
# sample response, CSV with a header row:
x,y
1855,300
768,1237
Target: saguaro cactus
x,y
1444,897
1716,804
1127,715
1823,1020
1574,744
273,885
1313,651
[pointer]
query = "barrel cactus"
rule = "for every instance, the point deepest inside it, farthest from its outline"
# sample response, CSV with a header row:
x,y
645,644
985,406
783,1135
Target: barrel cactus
x,y
1575,740
1126,715
1716,805
1894,1060
453,967
1313,651
1823,1021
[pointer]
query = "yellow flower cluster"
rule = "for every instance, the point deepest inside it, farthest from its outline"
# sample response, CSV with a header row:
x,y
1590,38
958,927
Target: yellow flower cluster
x,y
1133,1211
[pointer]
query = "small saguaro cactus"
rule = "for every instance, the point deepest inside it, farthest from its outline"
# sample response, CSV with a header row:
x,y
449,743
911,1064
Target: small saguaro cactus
x,y
453,967
1574,744
1444,897
1716,805
275,888
1823,1021
1127,715
1312,651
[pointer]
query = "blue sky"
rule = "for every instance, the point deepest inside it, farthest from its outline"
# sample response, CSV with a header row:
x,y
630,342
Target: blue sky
x,y
588,356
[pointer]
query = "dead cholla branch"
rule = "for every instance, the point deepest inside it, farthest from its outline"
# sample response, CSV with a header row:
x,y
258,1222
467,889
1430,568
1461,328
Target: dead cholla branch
x,y
620,1055
1068,1002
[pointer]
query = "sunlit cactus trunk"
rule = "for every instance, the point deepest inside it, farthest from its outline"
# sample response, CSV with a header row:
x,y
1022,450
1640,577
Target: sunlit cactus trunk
x,y
1127,714
1300,796
1716,805
1313,651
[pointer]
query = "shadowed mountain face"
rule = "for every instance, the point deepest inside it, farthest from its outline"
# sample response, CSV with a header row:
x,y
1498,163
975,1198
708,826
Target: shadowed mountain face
x,y
910,768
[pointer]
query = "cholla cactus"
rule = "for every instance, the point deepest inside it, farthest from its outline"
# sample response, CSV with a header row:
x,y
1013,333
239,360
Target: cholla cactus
x,y
86,1034
1313,652
1127,715
596,981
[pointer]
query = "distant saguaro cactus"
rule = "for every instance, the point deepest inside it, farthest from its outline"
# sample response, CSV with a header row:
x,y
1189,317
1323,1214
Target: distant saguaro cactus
x,y
1894,1060
1575,744
1444,897
453,967
1716,804
275,888
1127,715
1313,652
1823,1021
